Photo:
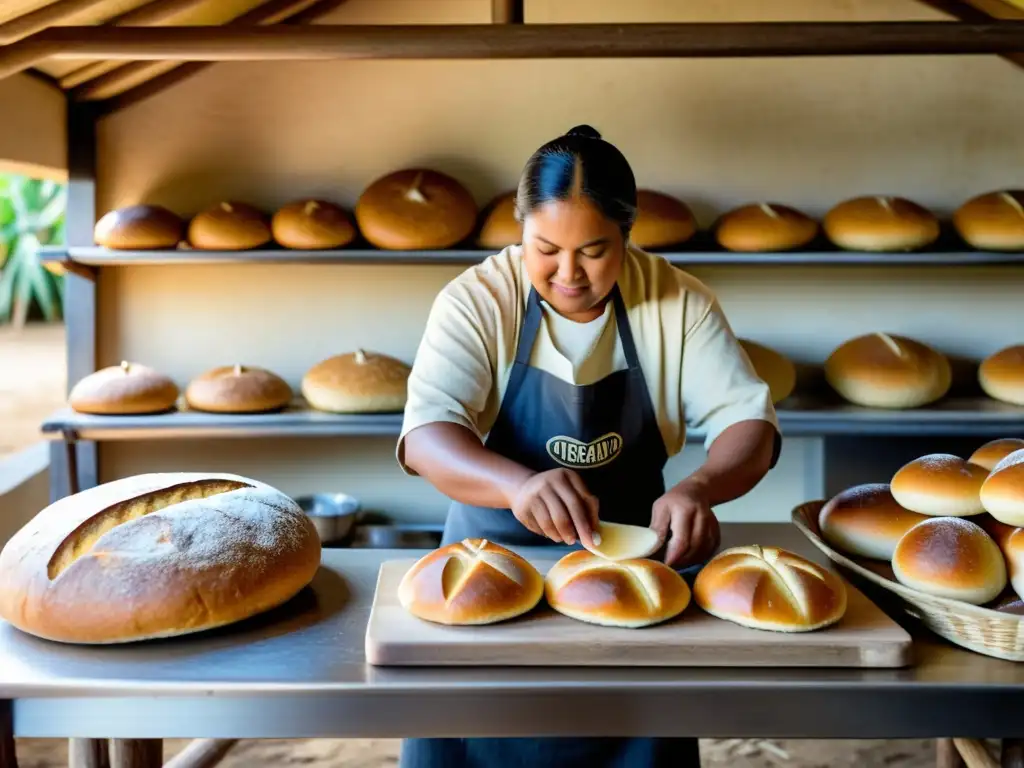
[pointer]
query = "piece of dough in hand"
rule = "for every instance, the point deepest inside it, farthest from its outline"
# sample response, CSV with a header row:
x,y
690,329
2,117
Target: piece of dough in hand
x,y
624,542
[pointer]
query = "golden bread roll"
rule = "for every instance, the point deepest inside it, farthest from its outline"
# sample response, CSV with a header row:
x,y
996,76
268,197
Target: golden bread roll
x,y
866,521
880,370
499,228
128,388
311,225
939,485
994,451
615,541
238,389
1002,494
156,555
661,221
993,221
770,588
950,557
765,227
880,224
357,382
1001,375
229,226
1011,542
473,581
139,228
416,209
625,593
776,370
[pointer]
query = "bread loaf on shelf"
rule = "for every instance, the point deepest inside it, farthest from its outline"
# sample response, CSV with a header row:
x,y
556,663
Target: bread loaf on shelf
x,y
499,228
950,557
994,451
993,221
881,370
661,221
775,369
625,593
229,226
238,389
866,521
311,225
765,227
357,382
879,223
416,209
770,588
473,581
940,485
125,389
1001,375
1002,494
139,228
156,555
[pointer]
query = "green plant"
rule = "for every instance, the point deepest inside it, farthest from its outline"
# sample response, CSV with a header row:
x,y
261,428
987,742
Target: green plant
x,y
31,216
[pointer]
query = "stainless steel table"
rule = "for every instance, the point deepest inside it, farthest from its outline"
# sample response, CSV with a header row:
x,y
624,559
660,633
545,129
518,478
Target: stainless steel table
x,y
300,672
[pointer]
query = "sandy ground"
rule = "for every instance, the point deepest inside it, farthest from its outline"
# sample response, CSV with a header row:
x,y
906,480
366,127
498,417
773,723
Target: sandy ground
x,y
32,385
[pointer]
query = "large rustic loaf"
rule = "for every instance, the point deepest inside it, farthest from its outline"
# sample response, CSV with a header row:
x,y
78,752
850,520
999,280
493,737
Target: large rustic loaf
x,y
156,555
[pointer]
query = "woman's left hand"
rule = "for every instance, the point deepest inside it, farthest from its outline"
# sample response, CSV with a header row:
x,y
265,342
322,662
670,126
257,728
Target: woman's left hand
x,y
684,512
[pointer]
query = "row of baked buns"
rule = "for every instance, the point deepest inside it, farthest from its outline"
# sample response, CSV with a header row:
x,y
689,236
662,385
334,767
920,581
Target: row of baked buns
x,y
476,582
356,382
423,209
948,527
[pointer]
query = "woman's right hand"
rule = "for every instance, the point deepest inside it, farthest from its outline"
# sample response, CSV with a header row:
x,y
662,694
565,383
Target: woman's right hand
x,y
557,504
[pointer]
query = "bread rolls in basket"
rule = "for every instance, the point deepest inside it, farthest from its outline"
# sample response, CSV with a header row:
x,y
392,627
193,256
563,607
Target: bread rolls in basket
x,y
156,555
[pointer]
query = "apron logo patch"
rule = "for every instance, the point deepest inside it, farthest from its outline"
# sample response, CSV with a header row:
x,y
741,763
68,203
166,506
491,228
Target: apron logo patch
x,y
575,454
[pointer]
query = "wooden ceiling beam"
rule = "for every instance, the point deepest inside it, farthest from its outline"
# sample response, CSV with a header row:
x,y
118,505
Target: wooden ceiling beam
x,y
36,21
981,11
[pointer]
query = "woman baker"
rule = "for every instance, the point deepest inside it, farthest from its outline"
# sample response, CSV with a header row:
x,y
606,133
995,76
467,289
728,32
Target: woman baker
x,y
553,382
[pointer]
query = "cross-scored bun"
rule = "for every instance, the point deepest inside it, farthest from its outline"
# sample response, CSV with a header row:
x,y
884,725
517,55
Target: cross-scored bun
x,y
1002,494
770,588
624,593
941,485
473,581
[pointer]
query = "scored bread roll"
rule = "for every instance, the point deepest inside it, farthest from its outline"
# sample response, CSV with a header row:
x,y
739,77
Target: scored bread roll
x,y
866,521
140,228
616,541
776,370
881,370
238,389
499,228
125,389
1001,375
1002,494
156,555
993,221
661,221
416,209
940,485
229,226
765,227
473,581
357,382
626,593
311,225
880,224
950,557
770,588
994,451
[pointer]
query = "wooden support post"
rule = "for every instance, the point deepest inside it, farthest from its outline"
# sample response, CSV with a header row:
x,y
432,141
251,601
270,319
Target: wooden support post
x,y
947,755
201,753
974,753
136,753
507,11
1013,753
8,758
88,753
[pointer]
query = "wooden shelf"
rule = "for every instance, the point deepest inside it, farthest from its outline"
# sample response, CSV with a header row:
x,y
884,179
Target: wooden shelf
x,y
799,417
102,257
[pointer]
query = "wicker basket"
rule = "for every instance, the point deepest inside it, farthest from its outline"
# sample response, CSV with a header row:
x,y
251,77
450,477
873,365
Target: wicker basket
x,y
982,630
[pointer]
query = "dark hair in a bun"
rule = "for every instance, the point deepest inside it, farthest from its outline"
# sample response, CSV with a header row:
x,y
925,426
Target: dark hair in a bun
x,y
605,177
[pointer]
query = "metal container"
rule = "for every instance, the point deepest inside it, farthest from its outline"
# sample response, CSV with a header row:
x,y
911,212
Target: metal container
x,y
396,536
333,514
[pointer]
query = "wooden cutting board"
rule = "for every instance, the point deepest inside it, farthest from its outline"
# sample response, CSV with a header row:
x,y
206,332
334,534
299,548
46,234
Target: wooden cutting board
x,y
865,637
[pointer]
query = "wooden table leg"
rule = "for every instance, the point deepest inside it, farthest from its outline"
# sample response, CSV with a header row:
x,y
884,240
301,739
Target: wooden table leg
x,y
1013,753
201,753
8,758
136,753
88,753
947,755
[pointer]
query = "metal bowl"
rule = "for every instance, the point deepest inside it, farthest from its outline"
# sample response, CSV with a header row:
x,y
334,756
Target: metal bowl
x,y
333,514
397,536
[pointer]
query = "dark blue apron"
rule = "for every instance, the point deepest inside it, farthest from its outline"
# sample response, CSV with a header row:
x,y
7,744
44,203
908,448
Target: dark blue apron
x,y
608,433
